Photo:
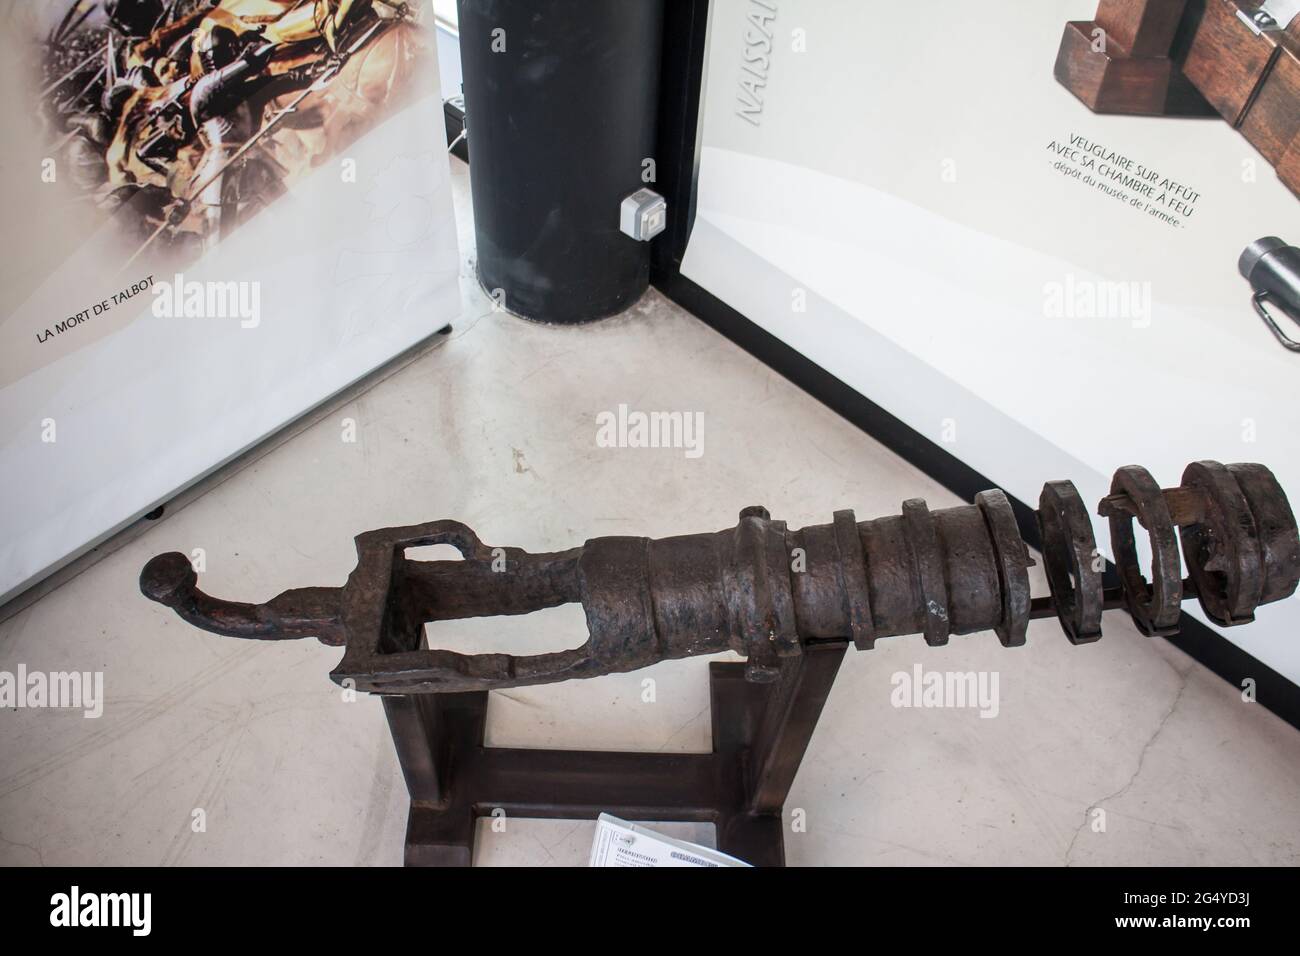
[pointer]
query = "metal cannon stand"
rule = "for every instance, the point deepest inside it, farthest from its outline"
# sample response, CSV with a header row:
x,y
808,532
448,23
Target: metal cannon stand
x,y
760,734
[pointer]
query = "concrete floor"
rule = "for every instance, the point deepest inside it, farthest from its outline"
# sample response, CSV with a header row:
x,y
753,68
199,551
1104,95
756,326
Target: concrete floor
x,y
496,426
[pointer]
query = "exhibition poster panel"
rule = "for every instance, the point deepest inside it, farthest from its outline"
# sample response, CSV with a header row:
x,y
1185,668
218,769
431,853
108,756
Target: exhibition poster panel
x,y
923,208
219,215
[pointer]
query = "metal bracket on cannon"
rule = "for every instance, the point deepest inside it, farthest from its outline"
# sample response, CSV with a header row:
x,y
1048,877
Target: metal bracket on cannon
x,y
789,601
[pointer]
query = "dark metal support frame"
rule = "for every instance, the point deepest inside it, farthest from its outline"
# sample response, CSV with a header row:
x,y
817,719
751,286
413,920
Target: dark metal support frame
x,y
760,735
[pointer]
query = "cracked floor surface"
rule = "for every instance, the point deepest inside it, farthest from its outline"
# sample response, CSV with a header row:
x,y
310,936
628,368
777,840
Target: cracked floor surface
x,y
225,752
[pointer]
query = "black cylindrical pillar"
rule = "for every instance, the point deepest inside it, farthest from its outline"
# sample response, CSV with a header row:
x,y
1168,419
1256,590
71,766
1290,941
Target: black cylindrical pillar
x,y
560,107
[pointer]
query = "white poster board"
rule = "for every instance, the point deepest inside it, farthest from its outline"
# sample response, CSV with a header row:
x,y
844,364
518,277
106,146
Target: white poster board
x,y
899,193
130,367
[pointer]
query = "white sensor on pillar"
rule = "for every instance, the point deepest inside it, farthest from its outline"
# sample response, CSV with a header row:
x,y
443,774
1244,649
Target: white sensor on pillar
x,y
643,215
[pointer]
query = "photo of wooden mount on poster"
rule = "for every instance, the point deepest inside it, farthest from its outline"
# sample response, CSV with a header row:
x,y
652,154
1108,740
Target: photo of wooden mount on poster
x,y
1227,58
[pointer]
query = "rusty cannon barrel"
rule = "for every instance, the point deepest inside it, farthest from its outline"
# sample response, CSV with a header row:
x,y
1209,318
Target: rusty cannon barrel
x,y
765,590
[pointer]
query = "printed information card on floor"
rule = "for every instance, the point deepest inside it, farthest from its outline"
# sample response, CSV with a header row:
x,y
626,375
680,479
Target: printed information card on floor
x,y
619,843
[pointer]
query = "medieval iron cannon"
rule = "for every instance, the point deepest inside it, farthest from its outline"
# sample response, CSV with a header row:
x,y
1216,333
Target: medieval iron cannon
x,y
767,591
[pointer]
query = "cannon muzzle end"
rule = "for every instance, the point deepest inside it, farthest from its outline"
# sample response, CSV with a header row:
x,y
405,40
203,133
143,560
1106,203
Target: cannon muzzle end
x,y
169,579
